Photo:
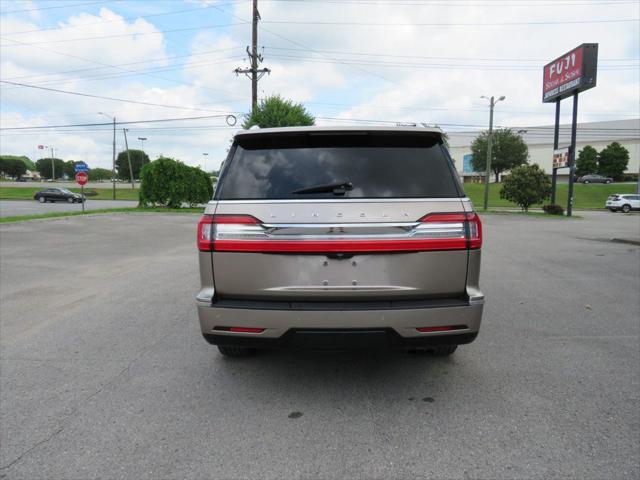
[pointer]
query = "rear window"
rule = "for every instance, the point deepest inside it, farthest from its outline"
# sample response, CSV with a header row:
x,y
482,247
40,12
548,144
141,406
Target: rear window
x,y
374,166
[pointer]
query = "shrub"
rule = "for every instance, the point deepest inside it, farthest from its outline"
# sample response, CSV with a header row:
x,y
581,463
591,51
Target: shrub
x,y
168,182
527,185
553,209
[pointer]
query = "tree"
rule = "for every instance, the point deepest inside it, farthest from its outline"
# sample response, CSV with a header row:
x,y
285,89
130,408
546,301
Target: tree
x,y
587,161
527,185
12,167
99,174
138,160
44,167
508,151
614,159
199,188
26,160
169,183
275,111
70,168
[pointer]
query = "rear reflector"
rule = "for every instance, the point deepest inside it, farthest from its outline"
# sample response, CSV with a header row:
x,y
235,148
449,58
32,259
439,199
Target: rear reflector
x,y
240,329
441,329
245,233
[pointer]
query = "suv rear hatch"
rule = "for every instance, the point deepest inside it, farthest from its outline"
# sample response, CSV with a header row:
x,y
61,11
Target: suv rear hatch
x,y
316,215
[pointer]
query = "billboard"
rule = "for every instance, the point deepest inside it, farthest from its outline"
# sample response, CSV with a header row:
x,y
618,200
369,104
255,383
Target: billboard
x,y
574,71
561,158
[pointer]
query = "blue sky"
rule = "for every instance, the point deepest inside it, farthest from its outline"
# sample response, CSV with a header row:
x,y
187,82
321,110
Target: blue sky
x,y
347,61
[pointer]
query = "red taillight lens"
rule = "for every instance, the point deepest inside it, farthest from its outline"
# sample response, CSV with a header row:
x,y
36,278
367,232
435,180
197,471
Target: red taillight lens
x,y
441,329
205,233
207,227
470,222
240,329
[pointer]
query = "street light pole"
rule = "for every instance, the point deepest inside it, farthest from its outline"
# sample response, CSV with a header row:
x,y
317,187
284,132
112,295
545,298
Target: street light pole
x,y
492,104
142,139
204,161
53,165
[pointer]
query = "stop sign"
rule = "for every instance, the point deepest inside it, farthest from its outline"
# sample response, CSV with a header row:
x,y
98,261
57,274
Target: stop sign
x,y
82,178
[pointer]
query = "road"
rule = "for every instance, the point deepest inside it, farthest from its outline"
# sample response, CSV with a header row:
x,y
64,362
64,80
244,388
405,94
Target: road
x,y
10,208
69,184
104,373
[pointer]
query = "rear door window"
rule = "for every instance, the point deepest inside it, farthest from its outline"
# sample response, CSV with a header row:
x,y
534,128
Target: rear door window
x,y
372,165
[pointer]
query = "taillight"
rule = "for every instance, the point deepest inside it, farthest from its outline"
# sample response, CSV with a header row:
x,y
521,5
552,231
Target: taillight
x,y
433,232
212,227
205,233
459,229
447,328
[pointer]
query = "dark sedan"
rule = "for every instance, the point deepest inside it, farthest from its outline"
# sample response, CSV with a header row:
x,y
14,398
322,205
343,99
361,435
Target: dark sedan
x,y
58,195
593,178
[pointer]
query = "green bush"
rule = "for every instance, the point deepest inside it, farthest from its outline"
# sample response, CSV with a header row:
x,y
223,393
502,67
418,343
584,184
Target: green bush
x,y
553,209
170,183
527,185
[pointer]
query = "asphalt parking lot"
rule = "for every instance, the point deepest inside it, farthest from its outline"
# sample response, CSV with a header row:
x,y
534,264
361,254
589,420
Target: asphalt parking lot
x,y
104,374
10,208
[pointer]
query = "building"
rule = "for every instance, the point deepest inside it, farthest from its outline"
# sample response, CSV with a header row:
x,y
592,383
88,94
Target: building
x,y
540,142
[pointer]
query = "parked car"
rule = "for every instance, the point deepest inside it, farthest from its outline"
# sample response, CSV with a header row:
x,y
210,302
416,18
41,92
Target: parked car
x,y
323,237
58,195
593,178
623,202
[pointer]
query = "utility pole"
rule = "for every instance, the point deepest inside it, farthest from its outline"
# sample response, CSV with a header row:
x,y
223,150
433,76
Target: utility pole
x,y
487,176
126,146
53,167
254,73
113,165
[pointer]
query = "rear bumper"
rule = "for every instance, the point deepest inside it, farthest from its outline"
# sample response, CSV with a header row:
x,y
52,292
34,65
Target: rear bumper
x,y
349,324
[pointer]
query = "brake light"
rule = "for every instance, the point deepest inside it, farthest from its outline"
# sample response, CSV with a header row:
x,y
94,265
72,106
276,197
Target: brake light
x,y
207,227
245,233
469,222
441,329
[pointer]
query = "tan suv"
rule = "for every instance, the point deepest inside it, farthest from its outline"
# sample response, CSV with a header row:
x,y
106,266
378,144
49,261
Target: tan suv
x,y
334,238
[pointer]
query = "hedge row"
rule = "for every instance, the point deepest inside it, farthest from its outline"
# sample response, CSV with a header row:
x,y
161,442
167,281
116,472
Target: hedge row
x,y
170,183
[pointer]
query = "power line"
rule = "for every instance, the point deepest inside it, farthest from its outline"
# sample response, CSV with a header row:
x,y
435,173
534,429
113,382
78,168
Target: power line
x,y
57,6
112,98
447,24
121,19
131,34
119,123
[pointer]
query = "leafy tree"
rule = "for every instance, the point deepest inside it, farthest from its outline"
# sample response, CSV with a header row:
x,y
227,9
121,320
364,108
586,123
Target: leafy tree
x,y
168,182
70,168
44,167
587,161
527,185
26,160
12,167
275,111
614,159
198,188
99,174
138,160
508,151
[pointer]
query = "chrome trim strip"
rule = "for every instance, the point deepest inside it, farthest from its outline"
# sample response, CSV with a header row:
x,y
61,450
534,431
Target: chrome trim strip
x,y
343,200
340,288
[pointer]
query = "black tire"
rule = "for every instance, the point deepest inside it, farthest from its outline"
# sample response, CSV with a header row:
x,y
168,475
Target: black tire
x,y
585,182
613,210
228,351
607,181
42,200
444,350
626,208
70,200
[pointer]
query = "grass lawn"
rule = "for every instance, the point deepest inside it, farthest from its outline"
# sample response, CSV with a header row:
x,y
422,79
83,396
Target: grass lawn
x,y
586,197
21,218
26,193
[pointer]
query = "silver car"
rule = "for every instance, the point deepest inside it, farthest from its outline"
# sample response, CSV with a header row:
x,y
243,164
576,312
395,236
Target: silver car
x,y
332,238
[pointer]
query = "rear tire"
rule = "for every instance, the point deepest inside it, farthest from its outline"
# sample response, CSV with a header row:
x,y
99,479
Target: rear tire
x,y
228,351
42,199
626,208
444,350
585,182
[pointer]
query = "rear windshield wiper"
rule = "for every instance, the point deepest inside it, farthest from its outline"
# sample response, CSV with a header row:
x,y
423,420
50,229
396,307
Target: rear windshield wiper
x,y
336,188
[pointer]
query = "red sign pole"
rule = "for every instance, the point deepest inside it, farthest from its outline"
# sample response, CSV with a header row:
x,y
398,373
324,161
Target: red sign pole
x,y
81,179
